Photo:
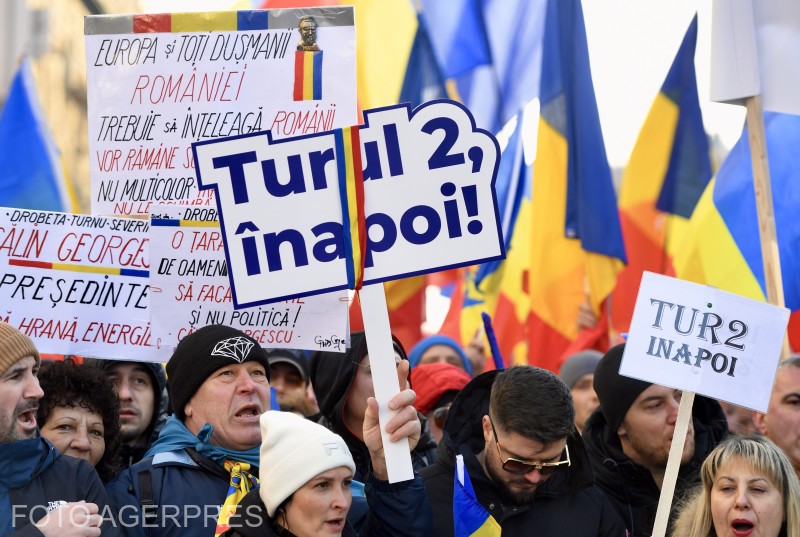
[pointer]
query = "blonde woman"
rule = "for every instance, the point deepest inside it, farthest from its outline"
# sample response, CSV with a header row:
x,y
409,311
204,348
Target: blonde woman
x,y
749,489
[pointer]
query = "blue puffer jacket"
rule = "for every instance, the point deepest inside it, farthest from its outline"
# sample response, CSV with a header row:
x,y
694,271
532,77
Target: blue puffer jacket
x,y
189,488
35,478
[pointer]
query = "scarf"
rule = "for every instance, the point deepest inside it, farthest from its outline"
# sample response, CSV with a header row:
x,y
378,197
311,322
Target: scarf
x,y
175,436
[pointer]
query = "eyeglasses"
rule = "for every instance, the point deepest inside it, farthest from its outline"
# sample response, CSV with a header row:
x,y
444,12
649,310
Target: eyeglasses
x,y
519,467
397,360
440,414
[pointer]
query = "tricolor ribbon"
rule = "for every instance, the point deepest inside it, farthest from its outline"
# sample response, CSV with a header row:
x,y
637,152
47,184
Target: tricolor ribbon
x,y
351,193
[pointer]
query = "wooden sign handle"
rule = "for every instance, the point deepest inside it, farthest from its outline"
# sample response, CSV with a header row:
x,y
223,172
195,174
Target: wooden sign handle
x,y
673,464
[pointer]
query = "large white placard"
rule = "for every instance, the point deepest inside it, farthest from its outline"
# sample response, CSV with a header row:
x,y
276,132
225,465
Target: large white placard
x,y
429,201
158,82
190,289
701,339
77,284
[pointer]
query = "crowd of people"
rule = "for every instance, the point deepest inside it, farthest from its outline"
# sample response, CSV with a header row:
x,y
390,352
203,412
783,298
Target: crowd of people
x,y
111,447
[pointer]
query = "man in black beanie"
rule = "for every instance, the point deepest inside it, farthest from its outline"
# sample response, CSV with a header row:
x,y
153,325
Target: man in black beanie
x,y
218,381
207,454
629,436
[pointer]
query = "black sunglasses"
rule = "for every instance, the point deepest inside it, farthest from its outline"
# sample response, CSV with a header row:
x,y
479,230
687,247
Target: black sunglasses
x,y
520,467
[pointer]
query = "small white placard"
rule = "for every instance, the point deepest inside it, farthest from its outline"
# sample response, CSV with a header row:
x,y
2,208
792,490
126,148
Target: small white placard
x,y
190,289
701,339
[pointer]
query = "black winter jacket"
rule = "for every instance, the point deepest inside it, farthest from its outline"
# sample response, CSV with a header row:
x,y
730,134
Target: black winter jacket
x,y
567,504
630,486
332,375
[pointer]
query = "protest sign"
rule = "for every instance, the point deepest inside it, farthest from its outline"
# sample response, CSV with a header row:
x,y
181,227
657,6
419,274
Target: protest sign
x,y
701,339
190,289
157,82
428,200
77,284
409,192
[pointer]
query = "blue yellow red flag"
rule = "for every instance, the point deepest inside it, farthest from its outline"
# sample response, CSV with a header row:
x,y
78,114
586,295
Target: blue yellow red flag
x,y
669,168
31,172
576,241
308,75
470,518
722,246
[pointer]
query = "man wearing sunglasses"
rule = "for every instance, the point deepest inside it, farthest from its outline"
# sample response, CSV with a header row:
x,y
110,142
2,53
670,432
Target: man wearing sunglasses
x,y
513,434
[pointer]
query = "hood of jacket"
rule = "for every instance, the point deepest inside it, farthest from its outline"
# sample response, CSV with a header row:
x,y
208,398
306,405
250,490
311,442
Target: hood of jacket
x,y
630,484
161,408
463,431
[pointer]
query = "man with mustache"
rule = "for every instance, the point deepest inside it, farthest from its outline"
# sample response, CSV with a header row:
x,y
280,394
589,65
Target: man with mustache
x,y
628,439
207,454
511,435
41,491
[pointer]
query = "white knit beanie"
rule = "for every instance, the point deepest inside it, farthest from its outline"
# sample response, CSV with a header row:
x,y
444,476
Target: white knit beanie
x,y
294,450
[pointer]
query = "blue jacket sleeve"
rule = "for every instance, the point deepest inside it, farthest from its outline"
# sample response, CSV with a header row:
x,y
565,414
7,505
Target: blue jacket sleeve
x,y
397,509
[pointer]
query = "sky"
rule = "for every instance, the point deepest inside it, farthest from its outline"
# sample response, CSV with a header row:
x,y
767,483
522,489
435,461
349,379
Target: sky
x,y
631,46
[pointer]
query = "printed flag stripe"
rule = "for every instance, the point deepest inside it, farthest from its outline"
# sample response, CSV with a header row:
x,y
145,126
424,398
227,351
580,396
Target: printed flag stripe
x,y
79,268
307,75
169,222
341,167
351,194
243,20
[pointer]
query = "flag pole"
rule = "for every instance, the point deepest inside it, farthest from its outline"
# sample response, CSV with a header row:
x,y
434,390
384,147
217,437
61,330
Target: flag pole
x,y
773,279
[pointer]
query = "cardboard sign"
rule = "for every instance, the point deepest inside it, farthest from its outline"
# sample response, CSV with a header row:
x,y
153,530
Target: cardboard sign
x,y
158,82
701,339
190,289
429,201
77,284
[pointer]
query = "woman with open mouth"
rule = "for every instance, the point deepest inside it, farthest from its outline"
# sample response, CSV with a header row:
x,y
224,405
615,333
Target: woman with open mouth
x,y
749,489
305,489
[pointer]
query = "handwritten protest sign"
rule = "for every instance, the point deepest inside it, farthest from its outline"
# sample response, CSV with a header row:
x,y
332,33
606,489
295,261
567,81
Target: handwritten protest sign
x,y
158,82
429,201
77,284
701,339
190,289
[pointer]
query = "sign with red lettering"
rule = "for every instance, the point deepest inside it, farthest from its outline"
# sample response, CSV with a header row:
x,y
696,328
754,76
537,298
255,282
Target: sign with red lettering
x,y
158,82
190,289
699,338
78,284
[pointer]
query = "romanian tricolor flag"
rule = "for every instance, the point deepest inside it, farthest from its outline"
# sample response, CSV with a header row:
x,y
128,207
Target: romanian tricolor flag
x,y
667,173
576,242
501,288
470,518
351,194
722,246
307,75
